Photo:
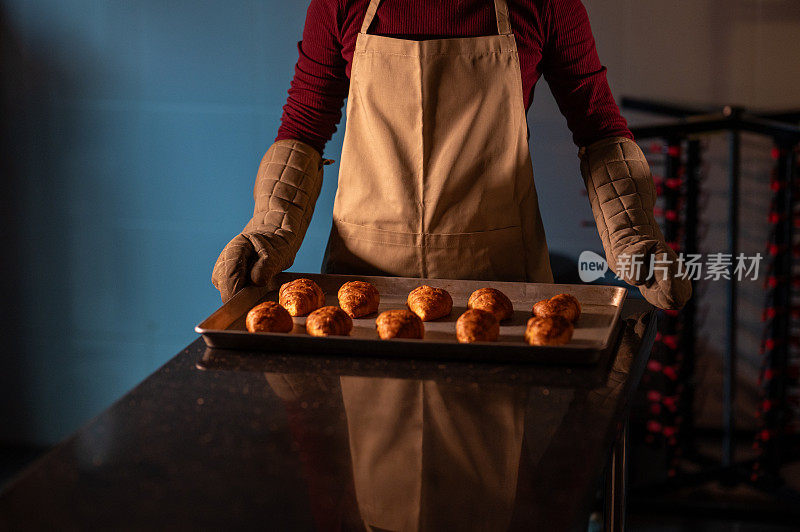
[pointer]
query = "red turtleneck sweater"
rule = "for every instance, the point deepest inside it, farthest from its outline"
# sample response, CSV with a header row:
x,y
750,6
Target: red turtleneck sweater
x,y
553,38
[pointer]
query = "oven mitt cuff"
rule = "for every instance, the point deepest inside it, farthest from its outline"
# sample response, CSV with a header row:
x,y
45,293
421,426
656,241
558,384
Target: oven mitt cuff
x,y
622,196
286,190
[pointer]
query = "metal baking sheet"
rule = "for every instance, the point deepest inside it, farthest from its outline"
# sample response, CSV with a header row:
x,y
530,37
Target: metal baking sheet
x,y
594,331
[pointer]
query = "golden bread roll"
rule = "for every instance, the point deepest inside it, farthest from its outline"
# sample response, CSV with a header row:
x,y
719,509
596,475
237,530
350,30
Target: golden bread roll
x,y
492,300
571,302
269,317
477,325
399,324
358,298
329,321
301,296
430,303
564,305
554,330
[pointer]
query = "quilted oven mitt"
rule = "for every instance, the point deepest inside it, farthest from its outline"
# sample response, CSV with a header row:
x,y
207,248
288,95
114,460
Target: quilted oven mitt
x,y
286,190
622,196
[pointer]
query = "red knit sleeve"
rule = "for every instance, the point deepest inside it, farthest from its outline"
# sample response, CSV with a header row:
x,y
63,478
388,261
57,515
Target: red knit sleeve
x,y
320,83
576,77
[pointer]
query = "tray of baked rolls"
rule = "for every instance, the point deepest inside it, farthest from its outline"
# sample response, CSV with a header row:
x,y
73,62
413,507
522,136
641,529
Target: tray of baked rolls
x,y
328,315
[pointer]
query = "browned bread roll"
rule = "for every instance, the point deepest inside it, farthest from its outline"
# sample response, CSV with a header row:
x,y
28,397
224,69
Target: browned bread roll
x,y
329,321
492,300
477,325
301,296
554,330
430,303
399,324
269,317
358,298
564,305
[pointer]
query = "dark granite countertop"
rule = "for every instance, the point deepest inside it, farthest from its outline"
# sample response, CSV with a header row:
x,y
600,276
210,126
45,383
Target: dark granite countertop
x,y
231,440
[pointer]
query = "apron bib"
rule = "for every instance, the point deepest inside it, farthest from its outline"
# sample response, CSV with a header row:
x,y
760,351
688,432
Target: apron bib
x,y
435,177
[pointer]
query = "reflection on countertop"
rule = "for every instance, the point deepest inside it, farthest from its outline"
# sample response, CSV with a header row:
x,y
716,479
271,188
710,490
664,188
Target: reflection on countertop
x,y
315,443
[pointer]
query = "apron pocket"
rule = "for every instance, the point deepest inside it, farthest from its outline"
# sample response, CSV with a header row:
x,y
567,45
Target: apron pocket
x,y
493,255
496,254
355,249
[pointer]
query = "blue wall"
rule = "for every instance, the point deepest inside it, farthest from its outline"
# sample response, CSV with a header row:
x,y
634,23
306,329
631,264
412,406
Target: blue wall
x,y
137,129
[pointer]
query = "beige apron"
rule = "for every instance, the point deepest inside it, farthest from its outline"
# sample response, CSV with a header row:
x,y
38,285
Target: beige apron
x,y
435,181
435,177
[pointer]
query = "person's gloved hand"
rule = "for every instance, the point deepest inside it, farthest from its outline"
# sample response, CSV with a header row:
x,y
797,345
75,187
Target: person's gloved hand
x,y
622,196
286,190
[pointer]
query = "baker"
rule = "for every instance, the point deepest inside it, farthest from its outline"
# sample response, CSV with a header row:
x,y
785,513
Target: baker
x,y
435,175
